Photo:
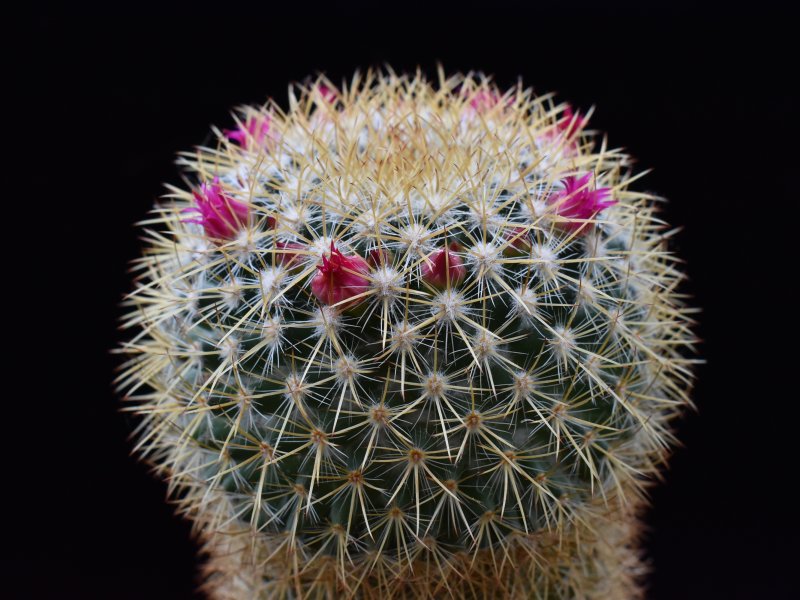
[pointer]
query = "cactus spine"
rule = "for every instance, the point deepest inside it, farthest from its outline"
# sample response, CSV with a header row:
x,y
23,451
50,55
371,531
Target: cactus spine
x,y
409,340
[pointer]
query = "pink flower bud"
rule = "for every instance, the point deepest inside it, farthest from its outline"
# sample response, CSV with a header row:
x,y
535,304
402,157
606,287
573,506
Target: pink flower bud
x,y
289,254
519,241
578,201
327,93
565,131
483,101
340,277
379,257
570,122
253,133
444,268
221,216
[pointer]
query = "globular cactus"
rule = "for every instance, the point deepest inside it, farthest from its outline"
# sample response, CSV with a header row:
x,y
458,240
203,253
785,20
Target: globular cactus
x,y
409,340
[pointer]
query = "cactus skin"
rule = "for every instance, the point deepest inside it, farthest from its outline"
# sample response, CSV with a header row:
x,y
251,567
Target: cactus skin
x,y
486,430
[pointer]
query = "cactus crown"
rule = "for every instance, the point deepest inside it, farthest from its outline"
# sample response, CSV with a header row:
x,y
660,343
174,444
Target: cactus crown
x,y
409,339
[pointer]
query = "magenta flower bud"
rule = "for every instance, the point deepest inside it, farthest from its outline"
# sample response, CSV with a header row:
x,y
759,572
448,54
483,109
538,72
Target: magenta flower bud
x,y
444,267
253,133
570,122
519,241
578,202
379,257
289,254
340,277
221,216
327,93
565,131
483,101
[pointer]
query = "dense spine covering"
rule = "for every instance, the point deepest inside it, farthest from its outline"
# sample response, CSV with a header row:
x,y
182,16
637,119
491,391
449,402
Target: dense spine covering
x,y
409,340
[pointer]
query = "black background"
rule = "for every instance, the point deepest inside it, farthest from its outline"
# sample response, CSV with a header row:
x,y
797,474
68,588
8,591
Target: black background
x,y
700,95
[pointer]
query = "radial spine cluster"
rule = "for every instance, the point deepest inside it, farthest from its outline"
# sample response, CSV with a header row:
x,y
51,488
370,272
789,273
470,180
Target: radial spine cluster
x,y
409,339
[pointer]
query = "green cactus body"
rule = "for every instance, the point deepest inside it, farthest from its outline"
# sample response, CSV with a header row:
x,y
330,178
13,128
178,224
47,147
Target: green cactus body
x,y
420,341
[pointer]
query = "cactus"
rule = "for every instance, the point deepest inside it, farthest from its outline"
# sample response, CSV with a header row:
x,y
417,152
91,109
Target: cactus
x,y
409,339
